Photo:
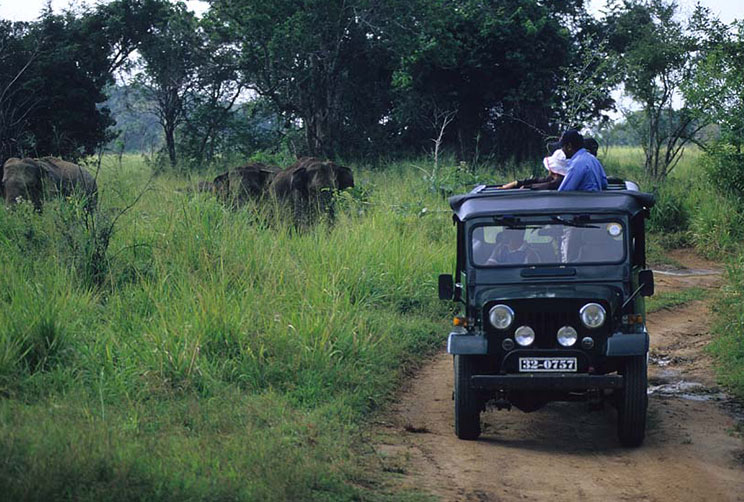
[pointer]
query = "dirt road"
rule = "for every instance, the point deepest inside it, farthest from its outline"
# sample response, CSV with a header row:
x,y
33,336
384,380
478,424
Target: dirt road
x,y
562,452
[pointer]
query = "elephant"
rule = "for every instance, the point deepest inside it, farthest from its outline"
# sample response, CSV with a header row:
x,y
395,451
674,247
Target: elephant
x,y
33,179
323,179
290,186
309,184
249,182
240,184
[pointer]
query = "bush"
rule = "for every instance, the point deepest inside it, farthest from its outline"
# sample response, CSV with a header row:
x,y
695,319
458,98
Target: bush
x,y
671,212
717,224
724,167
728,346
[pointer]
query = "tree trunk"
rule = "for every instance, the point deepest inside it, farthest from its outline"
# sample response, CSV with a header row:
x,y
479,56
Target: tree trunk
x,y
170,143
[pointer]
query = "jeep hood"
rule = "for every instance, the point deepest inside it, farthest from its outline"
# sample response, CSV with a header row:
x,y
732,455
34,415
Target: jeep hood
x,y
610,294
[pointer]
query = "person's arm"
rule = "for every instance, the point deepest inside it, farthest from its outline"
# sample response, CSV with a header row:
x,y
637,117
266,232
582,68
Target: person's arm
x,y
552,183
572,179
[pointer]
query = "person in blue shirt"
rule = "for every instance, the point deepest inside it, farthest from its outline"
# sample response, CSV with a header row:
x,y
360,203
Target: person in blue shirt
x,y
585,172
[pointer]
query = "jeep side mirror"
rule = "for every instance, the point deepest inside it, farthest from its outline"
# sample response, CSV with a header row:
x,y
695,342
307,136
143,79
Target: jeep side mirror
x,y
446,287
646,280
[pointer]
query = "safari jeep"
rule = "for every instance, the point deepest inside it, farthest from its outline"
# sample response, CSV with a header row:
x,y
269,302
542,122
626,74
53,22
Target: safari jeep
x,y
552,285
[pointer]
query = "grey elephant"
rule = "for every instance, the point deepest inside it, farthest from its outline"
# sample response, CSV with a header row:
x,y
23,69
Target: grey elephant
x,y
240,184
34,179
308,185
250,182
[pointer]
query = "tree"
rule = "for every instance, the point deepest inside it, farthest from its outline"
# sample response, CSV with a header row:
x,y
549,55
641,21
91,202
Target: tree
x,y
170,56
500,64
658,52
314,60
55,72
16,56
211,106
716,90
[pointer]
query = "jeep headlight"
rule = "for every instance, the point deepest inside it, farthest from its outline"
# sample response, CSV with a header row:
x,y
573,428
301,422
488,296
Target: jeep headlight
x,y
501,316
592,315
524,335
567,336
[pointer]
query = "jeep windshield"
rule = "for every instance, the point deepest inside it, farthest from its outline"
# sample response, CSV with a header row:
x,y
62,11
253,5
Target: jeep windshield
x,y
558,242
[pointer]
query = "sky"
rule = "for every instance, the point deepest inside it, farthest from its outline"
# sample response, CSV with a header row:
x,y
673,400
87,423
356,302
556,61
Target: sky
x,y
28,10
726,10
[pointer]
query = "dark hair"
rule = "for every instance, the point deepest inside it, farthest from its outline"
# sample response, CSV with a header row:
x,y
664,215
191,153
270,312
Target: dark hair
x,y
591,145
574,138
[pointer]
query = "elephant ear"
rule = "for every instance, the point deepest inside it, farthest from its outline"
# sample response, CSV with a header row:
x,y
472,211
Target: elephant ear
x,y
49,169
299,180
344,177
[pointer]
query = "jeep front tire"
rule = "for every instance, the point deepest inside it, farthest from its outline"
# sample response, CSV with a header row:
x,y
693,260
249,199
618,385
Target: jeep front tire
x,y
633,402
467,406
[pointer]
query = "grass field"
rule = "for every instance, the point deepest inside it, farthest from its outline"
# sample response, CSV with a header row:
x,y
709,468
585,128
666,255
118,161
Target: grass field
x,y
218,354
223,355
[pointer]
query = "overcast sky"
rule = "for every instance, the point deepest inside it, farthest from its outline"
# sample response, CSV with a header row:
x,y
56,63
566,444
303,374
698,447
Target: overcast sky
x,y
27,10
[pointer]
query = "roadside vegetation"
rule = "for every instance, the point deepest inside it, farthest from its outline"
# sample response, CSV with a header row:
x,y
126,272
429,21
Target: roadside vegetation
x,y
701,206
224,355
166,347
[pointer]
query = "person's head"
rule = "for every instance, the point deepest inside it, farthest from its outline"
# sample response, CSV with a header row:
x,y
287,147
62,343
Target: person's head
x,y
591,146
571,142
514,238
556,163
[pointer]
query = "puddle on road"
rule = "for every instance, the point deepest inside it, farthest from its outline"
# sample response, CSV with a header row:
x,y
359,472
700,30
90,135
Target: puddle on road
x,y
692,391
687,272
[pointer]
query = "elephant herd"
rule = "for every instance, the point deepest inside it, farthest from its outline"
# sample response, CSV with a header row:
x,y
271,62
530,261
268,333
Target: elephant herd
x,y
32,179
306,187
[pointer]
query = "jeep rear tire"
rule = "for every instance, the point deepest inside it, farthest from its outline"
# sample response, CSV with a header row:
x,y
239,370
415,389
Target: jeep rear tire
x,y
633,402
467,406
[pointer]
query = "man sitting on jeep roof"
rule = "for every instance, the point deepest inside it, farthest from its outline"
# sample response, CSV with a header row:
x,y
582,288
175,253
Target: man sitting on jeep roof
x,y
585,171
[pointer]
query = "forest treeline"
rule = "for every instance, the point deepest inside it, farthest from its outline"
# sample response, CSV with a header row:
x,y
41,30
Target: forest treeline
x,y
487,80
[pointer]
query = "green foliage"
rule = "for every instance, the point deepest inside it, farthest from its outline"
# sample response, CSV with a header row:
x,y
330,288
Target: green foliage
x,y
716,89
672,299
728,346
171,54
671,212
658,52
724,166
216,343
315,61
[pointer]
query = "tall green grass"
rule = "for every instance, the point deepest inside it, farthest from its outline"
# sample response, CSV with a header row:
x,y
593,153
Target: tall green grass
x,y
224,355
227,354
728,346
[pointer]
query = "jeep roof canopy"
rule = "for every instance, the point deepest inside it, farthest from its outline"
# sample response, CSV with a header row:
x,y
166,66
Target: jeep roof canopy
x,y
487,201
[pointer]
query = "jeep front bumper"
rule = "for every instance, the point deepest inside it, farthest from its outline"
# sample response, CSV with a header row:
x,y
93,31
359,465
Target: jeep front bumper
x,y
553,381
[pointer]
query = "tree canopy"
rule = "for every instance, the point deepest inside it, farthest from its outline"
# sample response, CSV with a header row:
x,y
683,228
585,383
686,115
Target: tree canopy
x,y
485,79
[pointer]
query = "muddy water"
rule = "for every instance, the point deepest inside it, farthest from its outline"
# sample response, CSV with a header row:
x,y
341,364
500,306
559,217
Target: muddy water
x,y
564,452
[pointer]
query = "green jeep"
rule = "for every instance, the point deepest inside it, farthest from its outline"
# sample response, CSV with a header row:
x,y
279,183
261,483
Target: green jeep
x,y
553,285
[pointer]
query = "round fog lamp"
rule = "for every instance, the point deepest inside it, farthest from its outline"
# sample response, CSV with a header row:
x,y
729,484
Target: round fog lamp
x,y
567,336
524,335
587,342
501,316
592,315
507,344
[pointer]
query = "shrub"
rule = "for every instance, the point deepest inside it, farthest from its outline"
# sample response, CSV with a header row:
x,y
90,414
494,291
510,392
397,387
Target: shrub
x,y
716,226
728,346
671,212
724,167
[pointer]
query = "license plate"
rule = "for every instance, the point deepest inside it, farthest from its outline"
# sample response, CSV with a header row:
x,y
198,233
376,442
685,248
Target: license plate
x,y
536,364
